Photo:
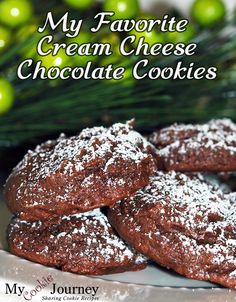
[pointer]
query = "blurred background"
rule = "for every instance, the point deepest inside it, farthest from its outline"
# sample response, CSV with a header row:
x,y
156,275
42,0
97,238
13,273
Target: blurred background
x,y
33,111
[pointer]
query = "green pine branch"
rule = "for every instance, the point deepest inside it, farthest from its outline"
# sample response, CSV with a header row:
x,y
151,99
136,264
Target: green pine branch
x,y
44,109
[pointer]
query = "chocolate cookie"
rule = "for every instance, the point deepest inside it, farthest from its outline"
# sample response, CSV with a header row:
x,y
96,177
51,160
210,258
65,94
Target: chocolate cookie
x,y
184,224
71,175
207,147
80,243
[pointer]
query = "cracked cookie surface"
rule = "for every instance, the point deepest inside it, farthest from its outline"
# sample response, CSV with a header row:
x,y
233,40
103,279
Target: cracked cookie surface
x,y
97,168
80,243
182,223
207,147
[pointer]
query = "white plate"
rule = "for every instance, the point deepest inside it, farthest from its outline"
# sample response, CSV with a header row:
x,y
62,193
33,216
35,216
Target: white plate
x,y
146,285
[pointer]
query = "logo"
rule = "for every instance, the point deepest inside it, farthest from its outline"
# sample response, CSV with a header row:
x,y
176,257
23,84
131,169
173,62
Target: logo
x,y
28,295
56,293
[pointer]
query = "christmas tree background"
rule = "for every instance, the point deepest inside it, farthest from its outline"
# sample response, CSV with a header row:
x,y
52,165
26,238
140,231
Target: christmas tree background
x,y
32,111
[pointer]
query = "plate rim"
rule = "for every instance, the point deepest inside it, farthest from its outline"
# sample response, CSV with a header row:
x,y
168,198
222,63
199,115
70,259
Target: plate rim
x,y
5,253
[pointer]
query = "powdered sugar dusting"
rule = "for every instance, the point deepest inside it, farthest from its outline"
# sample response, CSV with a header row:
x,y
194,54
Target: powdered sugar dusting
x,y
202,216
79,151
67,169
89,235
215,135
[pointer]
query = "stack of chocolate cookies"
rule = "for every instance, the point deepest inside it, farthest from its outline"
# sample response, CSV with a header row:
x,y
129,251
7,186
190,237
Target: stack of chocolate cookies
x,y
108,201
